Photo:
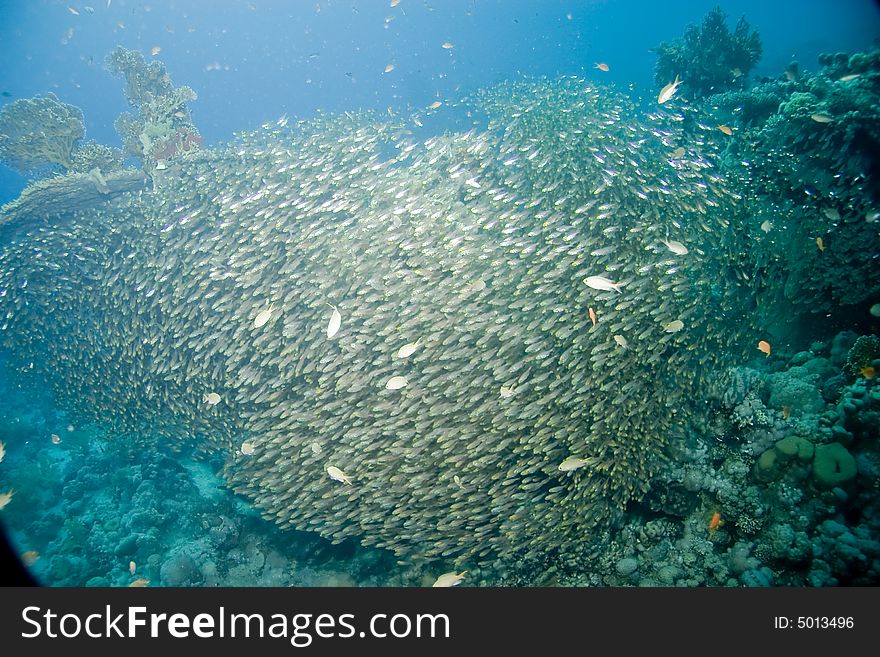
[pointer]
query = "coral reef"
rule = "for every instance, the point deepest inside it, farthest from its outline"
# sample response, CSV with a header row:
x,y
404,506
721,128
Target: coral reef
x,y
861,357
807,153
92,155
163,127
708,58
39,132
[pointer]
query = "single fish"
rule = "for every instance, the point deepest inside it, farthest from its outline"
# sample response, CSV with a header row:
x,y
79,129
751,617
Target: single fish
x,y
396,383
592,314
620,340
674,326
334,323
211,399
726,129
247,448
573,463
602,66
448,46
668,91
602,283
764,347
389,68
30,557
449,579
338,475
820,243
820,117
676,247
263,316
409,349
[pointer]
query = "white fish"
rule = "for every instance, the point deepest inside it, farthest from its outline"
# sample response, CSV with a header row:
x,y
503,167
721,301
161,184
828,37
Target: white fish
x,y
668,91
619,339
211,399
449,579
767,226
396,383
409,349
507,392
263,317
338,475
573,463
674,326
676,247
316,448
2,451
334,323
247,448
132,567
601,283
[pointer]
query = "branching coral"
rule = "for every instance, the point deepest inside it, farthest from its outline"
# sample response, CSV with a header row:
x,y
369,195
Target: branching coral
x,y
94,155
38,132
708,58
163,127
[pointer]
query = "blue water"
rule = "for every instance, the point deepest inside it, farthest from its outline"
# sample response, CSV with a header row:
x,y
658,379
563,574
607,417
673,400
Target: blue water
x,y
256,60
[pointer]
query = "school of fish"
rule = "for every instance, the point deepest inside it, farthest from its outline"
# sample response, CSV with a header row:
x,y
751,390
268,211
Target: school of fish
x,y
335,305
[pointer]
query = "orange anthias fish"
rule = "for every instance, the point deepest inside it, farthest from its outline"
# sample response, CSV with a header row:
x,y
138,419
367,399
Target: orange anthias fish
x,y
726,129
868,372
592,314
715,522
820,243
786,412
602,66
764,347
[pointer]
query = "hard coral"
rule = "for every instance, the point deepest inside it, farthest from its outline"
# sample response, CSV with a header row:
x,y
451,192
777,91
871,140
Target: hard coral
x,y
39,132
163,127
708,58
863,352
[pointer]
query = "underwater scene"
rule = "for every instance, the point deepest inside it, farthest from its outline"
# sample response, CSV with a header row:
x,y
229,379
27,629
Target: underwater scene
x,y
440,293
